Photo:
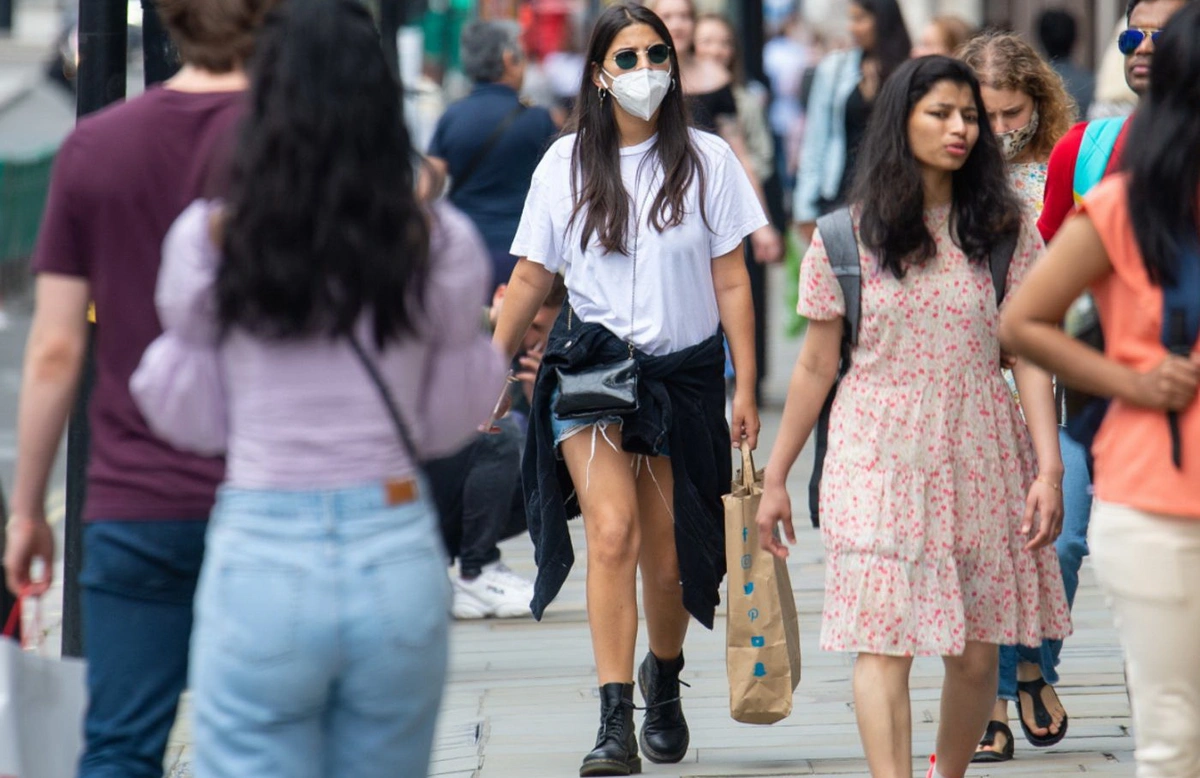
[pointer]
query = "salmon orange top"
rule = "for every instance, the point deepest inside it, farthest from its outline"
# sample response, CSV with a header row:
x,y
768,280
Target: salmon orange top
x,y
1133,447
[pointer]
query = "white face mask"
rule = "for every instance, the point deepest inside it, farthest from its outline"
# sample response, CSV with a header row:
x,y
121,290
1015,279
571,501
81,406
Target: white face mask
x,y
1013,142
640,92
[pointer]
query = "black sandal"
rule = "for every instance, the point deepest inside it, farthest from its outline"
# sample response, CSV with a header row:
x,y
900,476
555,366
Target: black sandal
x,y
989,741
1041,716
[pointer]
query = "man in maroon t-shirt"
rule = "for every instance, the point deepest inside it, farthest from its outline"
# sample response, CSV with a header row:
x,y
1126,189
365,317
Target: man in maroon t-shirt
x,y
120,180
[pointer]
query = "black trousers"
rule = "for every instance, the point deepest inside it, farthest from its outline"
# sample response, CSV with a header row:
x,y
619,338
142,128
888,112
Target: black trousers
x,y
479,496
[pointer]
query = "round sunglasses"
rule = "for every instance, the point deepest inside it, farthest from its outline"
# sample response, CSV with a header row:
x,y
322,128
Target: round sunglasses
x,y
627,59
1130,40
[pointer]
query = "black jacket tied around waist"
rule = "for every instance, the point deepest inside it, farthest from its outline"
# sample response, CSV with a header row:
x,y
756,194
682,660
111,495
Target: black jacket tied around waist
x,y
682,404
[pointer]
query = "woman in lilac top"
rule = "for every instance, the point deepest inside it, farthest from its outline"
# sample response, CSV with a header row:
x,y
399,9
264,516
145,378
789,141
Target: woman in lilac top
x,y
319,646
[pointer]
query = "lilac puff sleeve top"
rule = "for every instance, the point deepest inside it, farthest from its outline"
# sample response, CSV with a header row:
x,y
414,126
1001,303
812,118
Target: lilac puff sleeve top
x,y
303,414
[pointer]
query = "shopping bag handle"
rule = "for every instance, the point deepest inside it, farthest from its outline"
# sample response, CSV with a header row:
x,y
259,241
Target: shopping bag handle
x,y
748,471
14,619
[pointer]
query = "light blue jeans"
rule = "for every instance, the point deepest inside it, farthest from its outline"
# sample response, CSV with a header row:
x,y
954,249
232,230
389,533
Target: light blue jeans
x,y
1072,547
320,641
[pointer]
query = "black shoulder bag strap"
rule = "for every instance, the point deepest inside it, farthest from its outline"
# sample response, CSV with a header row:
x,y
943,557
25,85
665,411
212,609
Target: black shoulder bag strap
x,y
999,262
1181,324
486,148
388,400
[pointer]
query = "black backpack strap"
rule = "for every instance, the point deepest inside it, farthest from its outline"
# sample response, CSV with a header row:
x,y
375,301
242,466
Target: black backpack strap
x,y
488,144
841,244
1000,260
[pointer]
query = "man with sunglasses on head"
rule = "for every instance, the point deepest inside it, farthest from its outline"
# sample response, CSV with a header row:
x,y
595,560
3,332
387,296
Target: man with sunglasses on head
x,y
1144,21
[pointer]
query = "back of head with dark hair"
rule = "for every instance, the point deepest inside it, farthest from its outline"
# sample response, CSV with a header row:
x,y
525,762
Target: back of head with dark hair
x,y
891,189
322,224
1057,33
601,199
893,45
214,35
1160,152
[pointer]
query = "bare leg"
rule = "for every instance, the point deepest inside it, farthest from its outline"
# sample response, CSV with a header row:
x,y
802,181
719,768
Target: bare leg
x,y
968,697
662,593
604,481
884,711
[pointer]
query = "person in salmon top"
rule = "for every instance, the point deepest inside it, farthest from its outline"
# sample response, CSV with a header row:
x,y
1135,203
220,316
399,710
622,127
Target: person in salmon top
x,y
1136,246
119,181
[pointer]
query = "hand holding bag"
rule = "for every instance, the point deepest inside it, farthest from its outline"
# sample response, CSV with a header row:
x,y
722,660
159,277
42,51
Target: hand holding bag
x,y
762,653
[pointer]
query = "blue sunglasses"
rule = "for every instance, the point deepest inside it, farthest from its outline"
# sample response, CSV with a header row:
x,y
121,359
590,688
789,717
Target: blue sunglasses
x,y
1129,40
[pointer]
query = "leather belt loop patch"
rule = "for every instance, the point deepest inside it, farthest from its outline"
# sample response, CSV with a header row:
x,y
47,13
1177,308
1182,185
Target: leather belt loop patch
x,y
400,491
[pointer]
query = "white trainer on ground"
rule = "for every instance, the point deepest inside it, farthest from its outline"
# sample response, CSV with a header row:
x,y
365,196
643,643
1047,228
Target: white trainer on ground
x,y
497,592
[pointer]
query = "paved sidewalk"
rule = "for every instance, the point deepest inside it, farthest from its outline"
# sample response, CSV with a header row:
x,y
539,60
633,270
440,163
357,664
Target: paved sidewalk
x,y
521,701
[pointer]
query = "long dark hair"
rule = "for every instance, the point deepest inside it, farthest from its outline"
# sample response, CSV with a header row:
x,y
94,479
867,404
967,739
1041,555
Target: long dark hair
x,y
1160,152
893,46
322,221
597,189
891,189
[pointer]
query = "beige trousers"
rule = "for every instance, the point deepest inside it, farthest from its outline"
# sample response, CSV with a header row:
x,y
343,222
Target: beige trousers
x,y
1149,566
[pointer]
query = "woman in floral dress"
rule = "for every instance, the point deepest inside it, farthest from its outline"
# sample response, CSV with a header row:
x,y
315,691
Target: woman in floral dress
x,y
938,502
1029,109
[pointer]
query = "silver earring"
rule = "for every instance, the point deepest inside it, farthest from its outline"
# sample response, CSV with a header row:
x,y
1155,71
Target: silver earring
x,y
602,92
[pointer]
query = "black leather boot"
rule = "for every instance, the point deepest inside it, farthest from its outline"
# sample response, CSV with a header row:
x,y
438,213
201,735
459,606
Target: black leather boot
x,y
664,737
616,751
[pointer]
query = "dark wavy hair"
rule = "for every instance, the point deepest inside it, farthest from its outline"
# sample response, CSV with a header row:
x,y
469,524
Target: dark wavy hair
x,y
1160,152
893,45
891,189
322,223
597,189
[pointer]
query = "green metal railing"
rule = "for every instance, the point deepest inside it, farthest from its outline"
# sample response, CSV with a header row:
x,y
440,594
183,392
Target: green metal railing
x,y
23,187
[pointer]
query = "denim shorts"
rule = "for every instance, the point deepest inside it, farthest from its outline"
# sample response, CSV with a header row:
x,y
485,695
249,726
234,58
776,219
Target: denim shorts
x,y
567,428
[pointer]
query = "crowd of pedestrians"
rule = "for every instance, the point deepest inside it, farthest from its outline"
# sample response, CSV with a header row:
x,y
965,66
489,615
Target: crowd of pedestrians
x,y
305,448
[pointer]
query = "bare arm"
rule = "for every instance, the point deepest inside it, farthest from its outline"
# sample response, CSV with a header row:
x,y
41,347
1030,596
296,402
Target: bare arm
x,y
1029,328
732,284
527,290
54,359
812,379
1045,496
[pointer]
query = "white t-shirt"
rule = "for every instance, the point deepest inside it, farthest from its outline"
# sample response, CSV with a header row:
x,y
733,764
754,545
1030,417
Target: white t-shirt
x,y
674,305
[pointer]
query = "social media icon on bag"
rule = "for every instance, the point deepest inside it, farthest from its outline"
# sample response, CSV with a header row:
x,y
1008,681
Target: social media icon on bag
x,y
758,641
748,588
745,561
760,670
753,614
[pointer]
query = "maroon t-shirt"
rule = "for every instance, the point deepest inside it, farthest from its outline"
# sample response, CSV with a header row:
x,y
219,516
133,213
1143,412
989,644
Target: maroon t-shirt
x,y
120,180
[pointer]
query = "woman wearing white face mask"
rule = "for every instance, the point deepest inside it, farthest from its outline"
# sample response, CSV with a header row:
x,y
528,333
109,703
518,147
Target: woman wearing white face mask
x,y
645,217
1030,110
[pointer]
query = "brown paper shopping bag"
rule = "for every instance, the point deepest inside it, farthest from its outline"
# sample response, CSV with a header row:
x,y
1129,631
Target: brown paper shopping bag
x,y
762,654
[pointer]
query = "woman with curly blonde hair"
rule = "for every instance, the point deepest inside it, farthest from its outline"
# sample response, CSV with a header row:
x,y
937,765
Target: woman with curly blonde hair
x,y
1030,109
1028,106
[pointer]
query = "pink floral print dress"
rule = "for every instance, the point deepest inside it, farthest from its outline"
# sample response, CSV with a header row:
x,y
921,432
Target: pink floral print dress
x,y
929,465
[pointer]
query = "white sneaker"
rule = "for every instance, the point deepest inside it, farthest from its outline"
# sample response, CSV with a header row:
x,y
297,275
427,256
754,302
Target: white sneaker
x,y
497,592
